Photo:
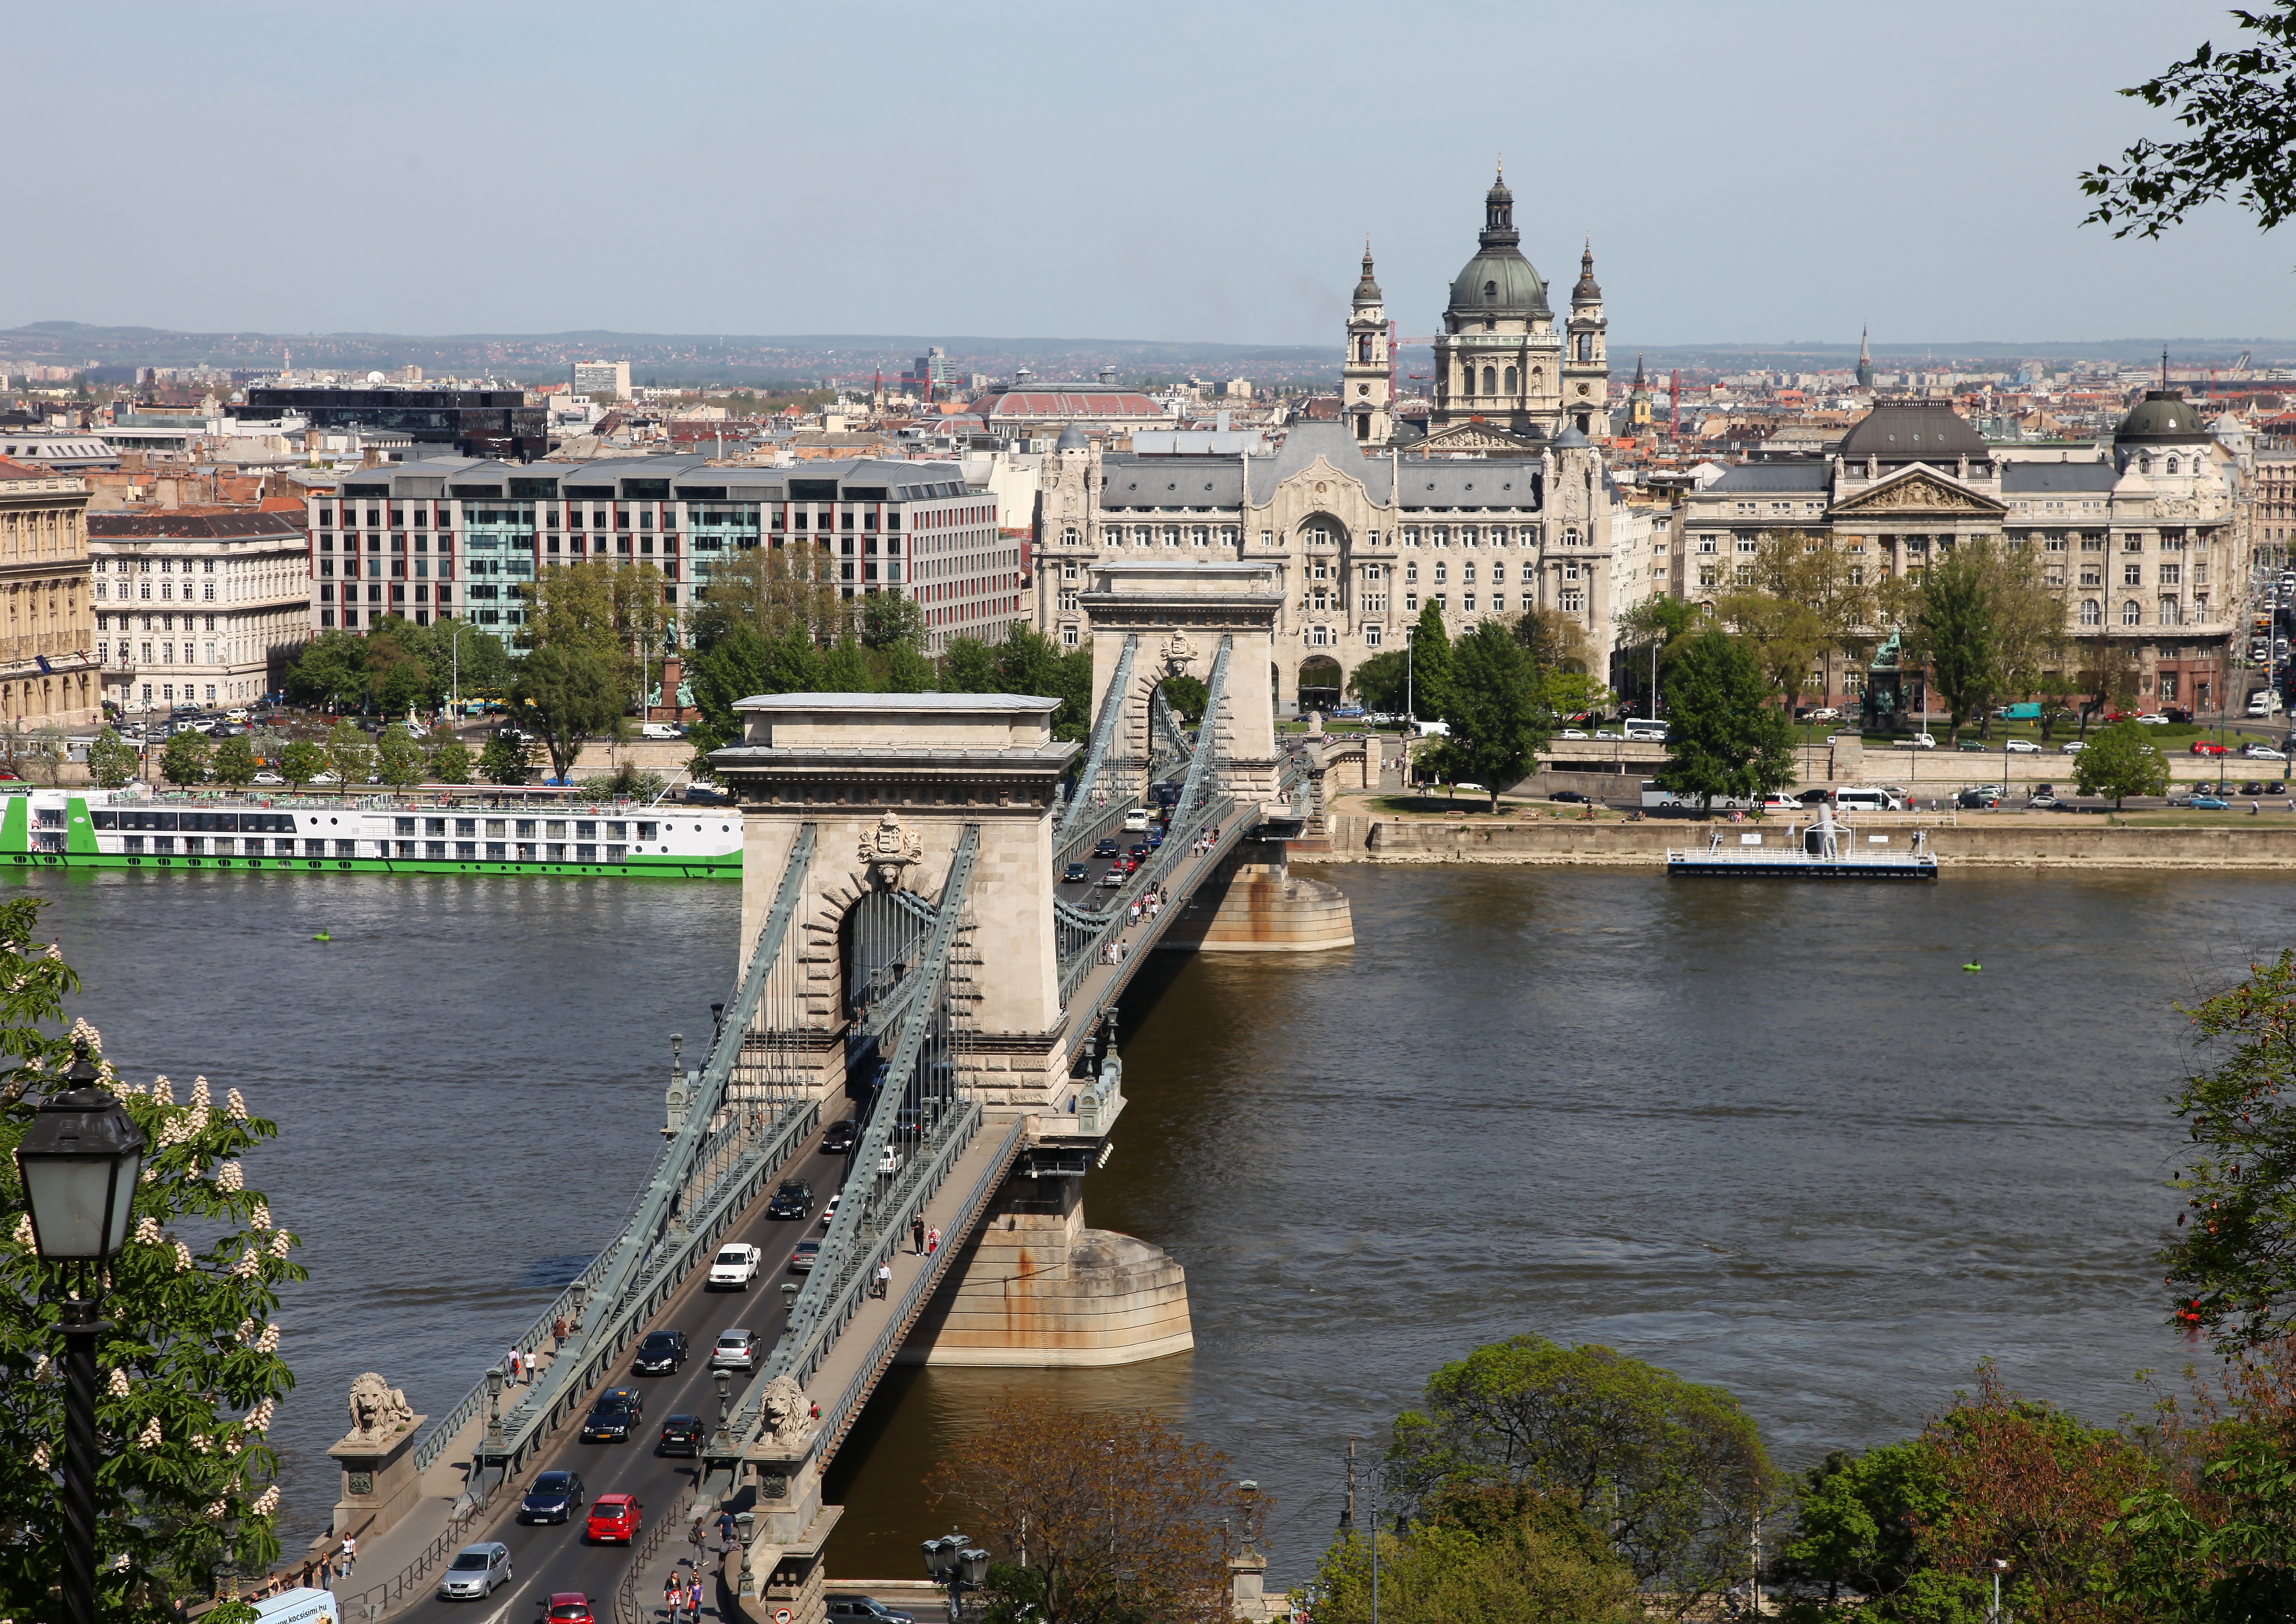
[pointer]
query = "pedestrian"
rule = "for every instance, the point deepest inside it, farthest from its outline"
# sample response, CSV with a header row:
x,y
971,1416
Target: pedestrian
x,y
917,1234
884,1278
727,1529
933,1242
672,1594
558,1334
510,1366
694,1597
350,1554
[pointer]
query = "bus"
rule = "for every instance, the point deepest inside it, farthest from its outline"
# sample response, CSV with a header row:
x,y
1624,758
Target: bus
x,y
1647,730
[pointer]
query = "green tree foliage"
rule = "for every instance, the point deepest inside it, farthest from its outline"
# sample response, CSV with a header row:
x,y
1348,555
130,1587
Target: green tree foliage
x,y
2105,675
1431,665
1656,623
398,759
737,665
775,591
111,761
565,694
888,619
2120,761
188,1360
350,756
302,761
507,758
1953,620
330,670
184,759
450,761
1499,1554
613,614
2237,105
1185,695
235,762
1496,709
907,670
845,667
1673,1470
968,666
1857,1522
1723,738
1029,662
1379,682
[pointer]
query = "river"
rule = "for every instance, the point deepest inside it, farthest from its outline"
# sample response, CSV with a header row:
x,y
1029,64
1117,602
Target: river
x,y
1769,1135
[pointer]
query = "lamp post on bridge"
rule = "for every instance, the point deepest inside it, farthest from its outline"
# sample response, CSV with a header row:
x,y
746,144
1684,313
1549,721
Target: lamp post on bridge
x,y
78,1162
952,1560
725,1380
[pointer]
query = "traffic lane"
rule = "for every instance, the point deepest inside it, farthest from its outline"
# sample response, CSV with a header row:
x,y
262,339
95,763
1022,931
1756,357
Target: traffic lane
x,y
548,1558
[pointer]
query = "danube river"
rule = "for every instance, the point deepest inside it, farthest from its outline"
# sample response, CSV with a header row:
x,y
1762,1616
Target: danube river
x,y
1771,1136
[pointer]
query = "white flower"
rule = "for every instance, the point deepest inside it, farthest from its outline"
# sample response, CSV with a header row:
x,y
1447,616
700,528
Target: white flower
x,y
217,1510
199,1092
161,1093
268,1342
262,1219
199,1117
40,1456
56,952
237,1109
266,1502
246,1330
229,1176
23,1233
84,1032
119,1563
118,1385
148,1438
147,1231
150,1176
40,1370
182,1257
249,1265
280,1243
199,1443
259,1419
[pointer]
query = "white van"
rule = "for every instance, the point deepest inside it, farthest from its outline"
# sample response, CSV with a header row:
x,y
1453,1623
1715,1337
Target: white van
x,y
301,1605
1645,730
1866,798
2264,701
1136,822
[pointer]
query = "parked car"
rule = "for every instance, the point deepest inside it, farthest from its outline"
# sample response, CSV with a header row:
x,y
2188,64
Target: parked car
x,y
1919,740
840,1138
2042,801
1977,800
2209,803
2022,747
269,780
793,1200
736,1265
614,1519
1075,874
475,1572
554,1499
2072,747
738,1349
680,1435
659,1355
569,1607
2177,714
865,1609
661,730
1572,733
1573,796
611,1417
2262,753
2209,747
2150,719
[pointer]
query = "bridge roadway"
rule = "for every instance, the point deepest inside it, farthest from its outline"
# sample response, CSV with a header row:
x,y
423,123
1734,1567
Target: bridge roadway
x,y
551,1557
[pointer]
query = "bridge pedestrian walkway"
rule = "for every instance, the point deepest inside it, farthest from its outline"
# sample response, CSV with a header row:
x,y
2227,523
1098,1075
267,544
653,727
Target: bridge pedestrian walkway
x,y
1104,981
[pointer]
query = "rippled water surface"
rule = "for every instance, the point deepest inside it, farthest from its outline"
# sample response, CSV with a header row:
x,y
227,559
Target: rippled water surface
x,y
1770,1136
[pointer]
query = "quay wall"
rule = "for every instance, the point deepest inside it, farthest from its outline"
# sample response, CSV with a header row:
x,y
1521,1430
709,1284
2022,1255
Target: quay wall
x,y
1362,839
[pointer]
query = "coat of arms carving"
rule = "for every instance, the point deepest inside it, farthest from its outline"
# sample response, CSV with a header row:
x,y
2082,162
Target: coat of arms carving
x,y
889,849
1179,654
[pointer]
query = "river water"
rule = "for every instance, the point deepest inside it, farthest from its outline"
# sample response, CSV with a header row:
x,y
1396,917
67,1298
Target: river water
x,y
1769,1135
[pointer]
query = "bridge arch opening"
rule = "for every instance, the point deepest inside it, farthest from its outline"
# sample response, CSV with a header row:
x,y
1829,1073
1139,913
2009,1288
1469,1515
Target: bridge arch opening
x,y
1321,683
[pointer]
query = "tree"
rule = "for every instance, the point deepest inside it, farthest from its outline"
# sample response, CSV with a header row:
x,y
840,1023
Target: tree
x,y
908,670
331,669
1378,682
1430,664
235,762
1029,662
399,758
1497,711
1785,637
301,761
349,756
507,758
846,668
42,752
2120,761
967,666
1123,1520
1186,696
787,587
565,696
183,760
614,614
1657,623
1501,1553
111,761
888,619
450,761
737,665
1723,738
1674,1470
2238,106
2107,675
1857,1518
1956,633
189,1349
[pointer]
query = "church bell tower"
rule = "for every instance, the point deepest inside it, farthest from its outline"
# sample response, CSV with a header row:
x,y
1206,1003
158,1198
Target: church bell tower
x,y
1364,380
1585,362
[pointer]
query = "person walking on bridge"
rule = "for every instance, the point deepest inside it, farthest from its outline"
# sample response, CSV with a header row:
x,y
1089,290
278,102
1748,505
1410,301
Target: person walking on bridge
x,y
884,1278
917,1234
673,1594
933,1242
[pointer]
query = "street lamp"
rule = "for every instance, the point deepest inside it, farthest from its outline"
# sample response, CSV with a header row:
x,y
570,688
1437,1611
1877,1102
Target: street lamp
x,y
495,1376
725,1380
953,1560
80,1161
2000,1565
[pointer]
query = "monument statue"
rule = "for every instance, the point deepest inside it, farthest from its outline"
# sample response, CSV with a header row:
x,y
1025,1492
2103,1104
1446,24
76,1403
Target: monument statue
x,y
377,1408
788,1413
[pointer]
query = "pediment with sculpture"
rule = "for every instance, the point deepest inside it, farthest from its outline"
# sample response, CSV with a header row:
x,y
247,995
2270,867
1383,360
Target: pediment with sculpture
x,y
1919,490
1482,438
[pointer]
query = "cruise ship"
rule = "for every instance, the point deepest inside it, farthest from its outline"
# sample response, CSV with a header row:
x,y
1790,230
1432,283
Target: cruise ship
x,y
455,833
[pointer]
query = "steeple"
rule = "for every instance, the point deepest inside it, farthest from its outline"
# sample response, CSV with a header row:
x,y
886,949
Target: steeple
x,y
1588,292
1642,385
1864,363
1498,215
1368,291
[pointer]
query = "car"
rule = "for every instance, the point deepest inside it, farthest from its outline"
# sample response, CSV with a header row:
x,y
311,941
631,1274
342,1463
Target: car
x,y
865,1609
475,1572
2262,753
1998,790
2041,800
1114,876
2022,747
1573,796
269,780
738,1349
2209,747
1135,821
680,1435
1571,732
736,1263
1075,874
2209,803
2150,720
2177,714
1155,838
554,1499
2251,788
567,1607
2072,747
661,730
660,1353
801,1261
1139,853
793,1200
841,1138
1976,800
1780,803
1919,740
1464,788
1108,847
614,1519
828,1212
702,795
611,1417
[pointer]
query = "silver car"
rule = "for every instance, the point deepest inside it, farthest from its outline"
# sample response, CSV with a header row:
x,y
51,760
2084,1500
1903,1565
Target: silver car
x,y
475,1572
736,1350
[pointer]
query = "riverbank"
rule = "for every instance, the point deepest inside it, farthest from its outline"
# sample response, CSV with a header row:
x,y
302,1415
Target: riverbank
x,y
2083,843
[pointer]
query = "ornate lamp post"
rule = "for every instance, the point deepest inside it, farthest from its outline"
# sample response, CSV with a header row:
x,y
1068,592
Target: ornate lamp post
x,y
496,1376
725,1380
952,1561
80,1161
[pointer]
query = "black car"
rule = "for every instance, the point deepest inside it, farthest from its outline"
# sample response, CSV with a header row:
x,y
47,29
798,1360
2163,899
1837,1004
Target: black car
x,y
611,1418
554,1497
865,1609
1139,852
841,1137
1573,796
660,1353
1076,874
793,1200
680,1435
1977,800
1107,849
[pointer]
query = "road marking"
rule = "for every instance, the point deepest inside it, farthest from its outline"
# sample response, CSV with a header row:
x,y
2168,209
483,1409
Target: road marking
x,y
496,1617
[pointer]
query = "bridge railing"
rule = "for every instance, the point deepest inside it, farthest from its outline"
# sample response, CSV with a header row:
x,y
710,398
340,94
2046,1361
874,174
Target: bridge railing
x,y
1084,935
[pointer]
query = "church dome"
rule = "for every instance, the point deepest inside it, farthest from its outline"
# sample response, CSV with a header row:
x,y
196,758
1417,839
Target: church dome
x,y
1498,282
1073,438
2163,418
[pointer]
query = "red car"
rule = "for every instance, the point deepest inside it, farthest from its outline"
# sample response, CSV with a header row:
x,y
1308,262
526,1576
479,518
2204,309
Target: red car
x,y
2203,747
569,1607
613,1519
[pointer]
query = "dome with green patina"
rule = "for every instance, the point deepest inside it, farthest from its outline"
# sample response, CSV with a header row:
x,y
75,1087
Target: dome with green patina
x,y
1499,283
2163,418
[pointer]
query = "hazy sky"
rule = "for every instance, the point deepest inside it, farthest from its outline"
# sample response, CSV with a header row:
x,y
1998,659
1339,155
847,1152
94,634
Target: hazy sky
x,y
1749,172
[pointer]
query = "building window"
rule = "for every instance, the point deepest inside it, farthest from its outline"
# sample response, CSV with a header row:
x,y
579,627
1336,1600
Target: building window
x,y
2170,612
1371,637
2132,613
1068,635
1410,536
1574,601
2132,575
1410,603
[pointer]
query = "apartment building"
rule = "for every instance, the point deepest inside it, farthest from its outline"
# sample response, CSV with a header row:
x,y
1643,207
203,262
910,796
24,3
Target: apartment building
x,y
47,667
201,604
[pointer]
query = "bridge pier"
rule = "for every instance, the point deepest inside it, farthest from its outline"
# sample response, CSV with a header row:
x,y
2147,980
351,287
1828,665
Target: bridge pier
x,y
1254,904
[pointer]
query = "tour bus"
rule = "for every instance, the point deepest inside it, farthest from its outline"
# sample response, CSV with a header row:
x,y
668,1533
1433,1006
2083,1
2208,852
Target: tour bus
x,y
1867,798
1655,800
1645,729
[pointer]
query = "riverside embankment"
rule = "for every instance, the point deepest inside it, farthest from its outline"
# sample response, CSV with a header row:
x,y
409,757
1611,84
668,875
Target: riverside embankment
x,y
2009,842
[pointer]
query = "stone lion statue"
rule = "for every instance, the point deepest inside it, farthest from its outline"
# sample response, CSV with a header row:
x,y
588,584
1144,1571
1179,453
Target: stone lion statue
x,y
377,1407
788,1413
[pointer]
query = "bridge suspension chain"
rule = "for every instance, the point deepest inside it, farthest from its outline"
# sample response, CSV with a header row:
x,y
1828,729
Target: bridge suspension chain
x,y
1103,730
